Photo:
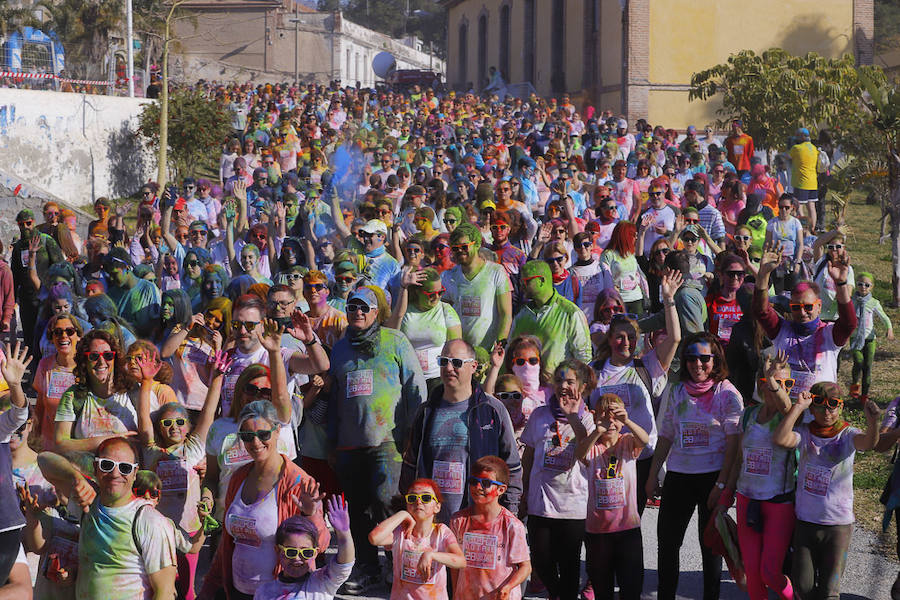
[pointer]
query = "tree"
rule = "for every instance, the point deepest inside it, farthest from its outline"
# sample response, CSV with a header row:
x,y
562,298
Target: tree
x,y
14,17
775,92
84,27
425,19
882,101
197,126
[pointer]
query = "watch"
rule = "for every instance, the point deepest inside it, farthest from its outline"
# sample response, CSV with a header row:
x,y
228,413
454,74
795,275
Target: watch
x,y
720,485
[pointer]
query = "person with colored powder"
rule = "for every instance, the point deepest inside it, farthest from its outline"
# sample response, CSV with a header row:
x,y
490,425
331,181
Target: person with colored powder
x,y
378,386
424,550
557,322
126,549
492,538
459,424
138,300
479,291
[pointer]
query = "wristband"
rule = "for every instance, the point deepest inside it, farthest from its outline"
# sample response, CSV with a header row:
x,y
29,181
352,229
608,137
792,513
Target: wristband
x,y
844,282
668,303
313,341
720,485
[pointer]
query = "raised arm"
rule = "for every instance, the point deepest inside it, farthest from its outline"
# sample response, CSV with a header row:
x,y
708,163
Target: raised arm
x,y
220,365
270,338
408,277
869,439
667,347
784,435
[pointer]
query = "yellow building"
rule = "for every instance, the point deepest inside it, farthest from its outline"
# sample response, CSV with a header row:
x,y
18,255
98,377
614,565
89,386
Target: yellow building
x,y
636,57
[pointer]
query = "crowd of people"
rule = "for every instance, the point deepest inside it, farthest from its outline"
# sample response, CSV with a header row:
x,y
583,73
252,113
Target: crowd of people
x,y
478,334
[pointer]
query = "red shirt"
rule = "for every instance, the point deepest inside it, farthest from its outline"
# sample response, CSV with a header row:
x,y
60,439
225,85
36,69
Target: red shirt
x,y
723,314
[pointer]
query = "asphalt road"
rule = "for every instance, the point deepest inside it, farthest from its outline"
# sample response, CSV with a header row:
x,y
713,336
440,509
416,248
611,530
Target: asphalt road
x,y
868,576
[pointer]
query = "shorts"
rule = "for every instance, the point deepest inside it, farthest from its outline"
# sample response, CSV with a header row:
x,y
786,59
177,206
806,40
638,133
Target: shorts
x,y
804,196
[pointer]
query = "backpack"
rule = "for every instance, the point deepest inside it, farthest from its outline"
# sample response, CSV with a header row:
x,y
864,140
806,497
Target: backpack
x,y
823,163
757,226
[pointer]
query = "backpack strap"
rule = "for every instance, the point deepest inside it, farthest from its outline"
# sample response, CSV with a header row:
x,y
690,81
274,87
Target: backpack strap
x,y
134,537
644,375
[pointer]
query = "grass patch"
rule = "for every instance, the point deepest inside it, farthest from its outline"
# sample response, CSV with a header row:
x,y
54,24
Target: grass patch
x,y
871,470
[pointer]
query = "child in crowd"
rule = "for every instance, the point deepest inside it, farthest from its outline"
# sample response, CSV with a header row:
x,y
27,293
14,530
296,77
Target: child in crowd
x,y
296,544
862,343
614,544
493,539
421,547
147,485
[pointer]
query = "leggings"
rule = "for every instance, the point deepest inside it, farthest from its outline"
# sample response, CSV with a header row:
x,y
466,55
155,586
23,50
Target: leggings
x,y
643,474
556,554
763,553
820,555
616,558
9,551
187,574
862,364
681,494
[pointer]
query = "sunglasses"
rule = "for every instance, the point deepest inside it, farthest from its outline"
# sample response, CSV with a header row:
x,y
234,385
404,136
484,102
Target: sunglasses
x,y
533,360
27,223
742,238
106,465
264,435
555,260
316,287
863,284
346,280
283,303
50,214
362,308
450,221
179,421
69,331
154,493
587,244
461,247
504,396
735,274
200,232
257,392
703,358
434,294
829,402
786,207
246,325
787,383
797,307
457,363
95,356
425,497
191,263
690,239
835,246
304,553
484,482
500,226
692,221
663,251
654,194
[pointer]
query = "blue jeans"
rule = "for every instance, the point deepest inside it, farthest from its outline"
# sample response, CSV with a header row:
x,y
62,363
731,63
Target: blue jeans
x,y
369,478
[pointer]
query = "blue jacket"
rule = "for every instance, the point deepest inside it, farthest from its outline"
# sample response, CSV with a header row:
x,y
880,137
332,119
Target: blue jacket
x,y
490,433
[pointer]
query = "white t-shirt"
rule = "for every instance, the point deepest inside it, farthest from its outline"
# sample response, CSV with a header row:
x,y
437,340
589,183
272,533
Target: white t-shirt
x,y
321,584
180,482
825,477
253,529
625,382
812,358
98,416
558,486
764,464
241,362
427,332
661,216
594,278
476,301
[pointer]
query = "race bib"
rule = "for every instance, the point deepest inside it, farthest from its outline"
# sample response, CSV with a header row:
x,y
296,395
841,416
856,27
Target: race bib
x,y
26,254
803,380
725,327
622,390
480,550
58,382
694,435
471,306
596,154
410,572
816,480
360,383
173,474
428,358
228,388
757,461
629,282
235,454
102,423
609,493
243,530
738,150
558,458
449,476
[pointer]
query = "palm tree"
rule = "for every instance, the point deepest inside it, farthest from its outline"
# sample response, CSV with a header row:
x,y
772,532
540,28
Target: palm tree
x,y
85,28
14,18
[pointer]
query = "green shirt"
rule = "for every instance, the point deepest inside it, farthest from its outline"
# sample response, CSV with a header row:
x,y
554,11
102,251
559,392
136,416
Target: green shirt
x,y
561,327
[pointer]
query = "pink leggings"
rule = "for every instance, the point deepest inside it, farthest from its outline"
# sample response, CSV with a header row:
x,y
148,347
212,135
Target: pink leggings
x,y
187,570
763,553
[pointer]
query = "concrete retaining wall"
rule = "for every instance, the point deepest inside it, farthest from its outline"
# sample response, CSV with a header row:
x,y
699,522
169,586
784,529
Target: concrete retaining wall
x,y
77,147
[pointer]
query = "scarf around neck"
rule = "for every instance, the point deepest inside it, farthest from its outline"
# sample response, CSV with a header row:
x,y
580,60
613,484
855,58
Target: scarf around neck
x,y
364,340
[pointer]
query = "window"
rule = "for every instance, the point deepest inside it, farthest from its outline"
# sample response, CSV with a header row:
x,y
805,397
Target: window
x,y
482,51
504,42
463,53
528,42
558,47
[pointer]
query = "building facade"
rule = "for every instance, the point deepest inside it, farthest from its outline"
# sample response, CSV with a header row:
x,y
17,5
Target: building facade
x,y
636,57
267,40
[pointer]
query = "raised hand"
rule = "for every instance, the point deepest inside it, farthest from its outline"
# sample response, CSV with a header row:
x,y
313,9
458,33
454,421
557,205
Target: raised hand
x,y
498,352
301,327
27,501
14,363
240,190
873,411
544,233
83,493
230,211
34,244
149,366
839,268
412,277
618,412
198,319
270,337
124,209
308,496
804,399
771,258
670,283
338,513
221,362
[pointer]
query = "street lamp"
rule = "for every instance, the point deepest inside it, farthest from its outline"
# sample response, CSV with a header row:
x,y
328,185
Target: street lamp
x,y
129,41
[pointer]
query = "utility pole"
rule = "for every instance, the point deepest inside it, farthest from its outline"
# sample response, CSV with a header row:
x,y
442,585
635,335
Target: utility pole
x,y
296,44
130,42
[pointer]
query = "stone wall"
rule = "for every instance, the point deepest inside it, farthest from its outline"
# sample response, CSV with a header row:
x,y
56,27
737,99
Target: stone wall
x,y
76,147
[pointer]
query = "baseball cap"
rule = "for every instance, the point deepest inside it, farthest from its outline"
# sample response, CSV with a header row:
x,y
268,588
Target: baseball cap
x,y
691,129
375,226
365,296
24,215
415,190
622,124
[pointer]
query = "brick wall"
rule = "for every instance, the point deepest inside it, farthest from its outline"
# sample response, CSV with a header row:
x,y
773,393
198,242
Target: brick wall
x,y
638,59
864,31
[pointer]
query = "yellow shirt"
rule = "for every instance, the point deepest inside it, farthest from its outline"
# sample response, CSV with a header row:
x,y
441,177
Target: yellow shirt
x,y
804,158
